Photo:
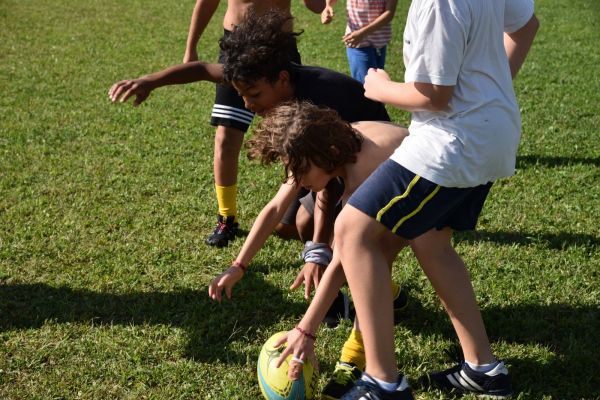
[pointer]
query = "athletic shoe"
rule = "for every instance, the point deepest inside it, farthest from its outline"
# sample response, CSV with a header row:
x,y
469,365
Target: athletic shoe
x,y
493,384
370,390
339,310
341,381
400,303
224,231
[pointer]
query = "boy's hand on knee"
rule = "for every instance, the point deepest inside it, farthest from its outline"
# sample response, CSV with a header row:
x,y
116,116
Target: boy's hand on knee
x,y
311,275
227,281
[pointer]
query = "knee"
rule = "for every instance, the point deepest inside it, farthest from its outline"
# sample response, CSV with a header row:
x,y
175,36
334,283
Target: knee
x,y
228,141
286,231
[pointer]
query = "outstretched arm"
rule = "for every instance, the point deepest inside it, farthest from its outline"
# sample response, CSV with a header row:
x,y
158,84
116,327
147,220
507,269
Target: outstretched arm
x,y
323,220
176,75
518,43
201,16
262,227
299,344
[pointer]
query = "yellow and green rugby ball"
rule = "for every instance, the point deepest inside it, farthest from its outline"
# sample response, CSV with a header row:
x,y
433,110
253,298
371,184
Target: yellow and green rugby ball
x,y
274,383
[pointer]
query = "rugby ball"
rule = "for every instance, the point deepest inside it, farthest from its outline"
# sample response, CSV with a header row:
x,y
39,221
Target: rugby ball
x,y
274,383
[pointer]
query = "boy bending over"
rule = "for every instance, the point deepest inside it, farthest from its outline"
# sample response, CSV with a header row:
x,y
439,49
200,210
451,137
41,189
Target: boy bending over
x,y
464,134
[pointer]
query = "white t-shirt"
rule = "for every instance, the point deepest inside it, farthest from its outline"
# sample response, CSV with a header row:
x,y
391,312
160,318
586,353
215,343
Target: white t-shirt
x,y
460,43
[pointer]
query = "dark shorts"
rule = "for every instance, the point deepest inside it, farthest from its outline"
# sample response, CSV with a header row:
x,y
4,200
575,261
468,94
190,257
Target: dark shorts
x,y
307,199
409,205
289,218
229,109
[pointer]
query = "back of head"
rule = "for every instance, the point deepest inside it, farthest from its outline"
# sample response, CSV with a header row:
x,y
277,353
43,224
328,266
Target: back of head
x,y
300,133
259,47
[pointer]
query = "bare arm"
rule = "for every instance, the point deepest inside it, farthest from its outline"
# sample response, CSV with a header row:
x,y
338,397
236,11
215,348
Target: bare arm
x,y
201,16
299,344
518,43
176,75
354,38
411,96
261,229
323,220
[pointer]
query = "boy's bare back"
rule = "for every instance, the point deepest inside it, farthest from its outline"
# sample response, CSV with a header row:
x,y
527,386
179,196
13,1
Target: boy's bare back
x,y
380,140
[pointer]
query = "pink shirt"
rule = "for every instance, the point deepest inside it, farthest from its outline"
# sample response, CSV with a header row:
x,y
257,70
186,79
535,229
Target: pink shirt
x,y
363,12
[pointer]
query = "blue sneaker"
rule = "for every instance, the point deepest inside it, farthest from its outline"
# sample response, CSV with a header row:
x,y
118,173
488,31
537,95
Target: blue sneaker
x,y
493,384
367,389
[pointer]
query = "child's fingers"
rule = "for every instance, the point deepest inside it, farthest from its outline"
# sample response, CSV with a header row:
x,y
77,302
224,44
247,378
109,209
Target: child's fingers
x,y
297,281
296,365
286,352
307,287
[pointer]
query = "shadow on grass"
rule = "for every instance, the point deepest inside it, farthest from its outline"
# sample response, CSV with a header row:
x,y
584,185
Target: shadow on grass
x,y
569,333
549,161
558,241
211,326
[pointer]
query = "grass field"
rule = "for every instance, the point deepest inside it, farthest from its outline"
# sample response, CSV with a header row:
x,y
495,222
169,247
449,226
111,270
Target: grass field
x,y
104,209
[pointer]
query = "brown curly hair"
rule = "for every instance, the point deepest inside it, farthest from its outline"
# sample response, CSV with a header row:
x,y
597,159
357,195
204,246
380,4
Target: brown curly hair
x,y
259,47
298,133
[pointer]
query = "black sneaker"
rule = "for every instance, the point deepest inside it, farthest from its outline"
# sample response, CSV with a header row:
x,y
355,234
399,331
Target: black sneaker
x,y
492,384
400,303
341,381
339,310
368,389
224,231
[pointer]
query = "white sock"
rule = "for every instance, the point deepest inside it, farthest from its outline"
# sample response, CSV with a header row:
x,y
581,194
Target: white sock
x,y
387,386
483,367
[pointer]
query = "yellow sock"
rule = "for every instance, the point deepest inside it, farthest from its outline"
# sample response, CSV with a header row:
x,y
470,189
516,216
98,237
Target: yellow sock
x,y
227,200
354,350
395,290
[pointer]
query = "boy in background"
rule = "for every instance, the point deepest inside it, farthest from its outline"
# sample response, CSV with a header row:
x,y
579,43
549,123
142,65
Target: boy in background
x,y
229,115
368,32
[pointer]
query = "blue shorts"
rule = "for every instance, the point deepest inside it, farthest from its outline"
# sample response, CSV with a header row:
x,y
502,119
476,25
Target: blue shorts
x,y
409,205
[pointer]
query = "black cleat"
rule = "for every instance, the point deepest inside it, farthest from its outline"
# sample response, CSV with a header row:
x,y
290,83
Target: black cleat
x,y
224,232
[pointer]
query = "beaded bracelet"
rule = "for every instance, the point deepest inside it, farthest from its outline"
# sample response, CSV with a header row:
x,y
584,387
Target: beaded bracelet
x,y
305,333
236,263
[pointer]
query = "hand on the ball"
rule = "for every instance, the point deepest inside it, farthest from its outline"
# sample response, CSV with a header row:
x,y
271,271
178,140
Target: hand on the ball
x,y
227,281
123,90
301,348
311,275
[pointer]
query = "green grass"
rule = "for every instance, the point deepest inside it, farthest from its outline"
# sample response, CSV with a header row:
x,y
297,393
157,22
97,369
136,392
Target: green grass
x,y
104,208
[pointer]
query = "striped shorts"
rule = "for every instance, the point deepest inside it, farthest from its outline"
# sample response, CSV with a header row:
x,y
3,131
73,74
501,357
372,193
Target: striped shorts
x,y
409,205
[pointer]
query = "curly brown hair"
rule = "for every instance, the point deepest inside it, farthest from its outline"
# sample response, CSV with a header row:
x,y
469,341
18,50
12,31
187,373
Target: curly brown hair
x,y
298,133
259,47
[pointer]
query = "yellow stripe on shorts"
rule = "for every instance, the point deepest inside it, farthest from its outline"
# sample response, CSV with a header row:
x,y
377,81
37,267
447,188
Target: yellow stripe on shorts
x,y
402,196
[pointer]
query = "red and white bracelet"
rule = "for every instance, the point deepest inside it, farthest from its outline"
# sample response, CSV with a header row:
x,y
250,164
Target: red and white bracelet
x,y
306,333
237,264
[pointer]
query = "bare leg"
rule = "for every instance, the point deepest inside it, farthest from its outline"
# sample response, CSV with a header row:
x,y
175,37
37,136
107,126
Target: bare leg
x,y
450,279
366,269
228,143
